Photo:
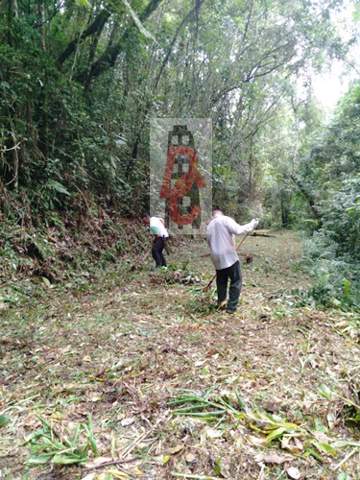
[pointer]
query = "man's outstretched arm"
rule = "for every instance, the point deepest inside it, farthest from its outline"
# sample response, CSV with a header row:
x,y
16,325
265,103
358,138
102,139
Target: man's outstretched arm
x,y
236,229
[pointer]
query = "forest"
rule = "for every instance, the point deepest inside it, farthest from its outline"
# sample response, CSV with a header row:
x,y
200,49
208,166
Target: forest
x,y
112,370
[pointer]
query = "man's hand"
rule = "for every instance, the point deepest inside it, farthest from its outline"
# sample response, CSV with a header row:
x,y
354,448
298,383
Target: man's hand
x,y
255,222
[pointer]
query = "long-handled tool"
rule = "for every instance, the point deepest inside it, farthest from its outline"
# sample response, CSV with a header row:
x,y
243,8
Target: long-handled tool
x,y
206,288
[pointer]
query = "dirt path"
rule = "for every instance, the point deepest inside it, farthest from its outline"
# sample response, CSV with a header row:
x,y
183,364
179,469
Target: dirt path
x,y
123,351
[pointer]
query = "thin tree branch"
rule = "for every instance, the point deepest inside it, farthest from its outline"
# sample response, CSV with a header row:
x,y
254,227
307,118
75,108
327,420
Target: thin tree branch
x,y
109,57
96,26
194,11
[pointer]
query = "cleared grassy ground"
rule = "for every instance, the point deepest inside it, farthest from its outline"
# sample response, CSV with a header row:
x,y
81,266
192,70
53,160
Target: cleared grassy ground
x,y
166,387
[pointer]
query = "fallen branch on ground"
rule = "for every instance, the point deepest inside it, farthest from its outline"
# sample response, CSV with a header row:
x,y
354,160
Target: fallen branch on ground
x,y
191,476
259,234
109,463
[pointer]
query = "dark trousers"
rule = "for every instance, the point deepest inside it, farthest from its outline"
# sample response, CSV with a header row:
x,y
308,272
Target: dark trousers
x,y
222,279
157,249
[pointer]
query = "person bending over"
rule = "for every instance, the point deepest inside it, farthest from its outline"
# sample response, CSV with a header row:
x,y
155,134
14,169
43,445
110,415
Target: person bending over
x,y
160,234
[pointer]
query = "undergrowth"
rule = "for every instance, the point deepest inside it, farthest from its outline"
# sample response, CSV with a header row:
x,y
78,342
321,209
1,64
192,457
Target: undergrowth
x,y
36,260
49,445
227,410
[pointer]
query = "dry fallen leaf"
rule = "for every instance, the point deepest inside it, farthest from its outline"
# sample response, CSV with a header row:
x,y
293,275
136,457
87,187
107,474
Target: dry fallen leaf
x,y
112,474
95,397
190,458
292,444
117,474
273,458
89,476
256,441
97,463
212,433
293,473
199,363
176,449
331,420
137,472
126,422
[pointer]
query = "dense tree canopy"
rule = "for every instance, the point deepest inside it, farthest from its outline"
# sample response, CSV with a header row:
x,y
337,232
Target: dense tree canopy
x,y
80,81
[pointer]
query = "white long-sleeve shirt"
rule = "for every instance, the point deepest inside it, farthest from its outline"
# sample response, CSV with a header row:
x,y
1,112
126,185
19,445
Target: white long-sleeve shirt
x,y
220,236
157,227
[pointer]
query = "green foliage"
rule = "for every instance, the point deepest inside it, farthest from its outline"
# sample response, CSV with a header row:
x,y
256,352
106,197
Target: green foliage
x,y
341,217
332,169
4,420
336,281
79,82
47,445
55,140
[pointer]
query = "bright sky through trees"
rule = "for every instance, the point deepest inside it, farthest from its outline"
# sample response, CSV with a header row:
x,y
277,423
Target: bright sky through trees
x,y
332,83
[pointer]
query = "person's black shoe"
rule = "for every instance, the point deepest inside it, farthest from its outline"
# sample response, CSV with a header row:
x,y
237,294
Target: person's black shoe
x,y
230,311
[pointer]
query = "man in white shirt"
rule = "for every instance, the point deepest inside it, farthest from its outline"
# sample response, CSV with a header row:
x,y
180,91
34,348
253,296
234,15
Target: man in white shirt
x,y
160,233
220,237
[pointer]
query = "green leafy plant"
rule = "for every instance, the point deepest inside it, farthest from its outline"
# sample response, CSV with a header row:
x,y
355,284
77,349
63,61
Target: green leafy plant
x,y
201,406
47,445
4,420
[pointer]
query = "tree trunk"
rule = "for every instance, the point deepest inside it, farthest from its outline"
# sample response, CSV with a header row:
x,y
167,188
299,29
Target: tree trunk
x,y
284,206
308,197
96,26
109,57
